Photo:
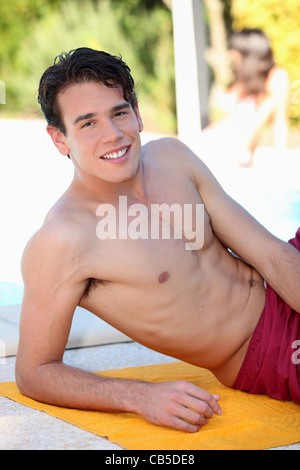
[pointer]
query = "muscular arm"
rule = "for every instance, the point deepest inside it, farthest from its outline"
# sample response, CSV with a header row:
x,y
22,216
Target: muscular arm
x,y
277,262
54,283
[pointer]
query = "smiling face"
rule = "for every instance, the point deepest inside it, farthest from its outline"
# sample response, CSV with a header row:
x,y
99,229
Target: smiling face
x,y
102,132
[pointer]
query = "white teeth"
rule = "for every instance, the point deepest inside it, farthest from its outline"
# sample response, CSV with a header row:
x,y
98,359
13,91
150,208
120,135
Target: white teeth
x,y
118,154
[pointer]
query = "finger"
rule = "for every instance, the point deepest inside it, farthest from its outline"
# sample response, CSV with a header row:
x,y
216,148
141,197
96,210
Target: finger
x,y
219,411
185,426
201,397
192,416
210,400
187,401
199,406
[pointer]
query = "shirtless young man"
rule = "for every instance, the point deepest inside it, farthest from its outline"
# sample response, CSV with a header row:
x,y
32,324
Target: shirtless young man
x,y
200,306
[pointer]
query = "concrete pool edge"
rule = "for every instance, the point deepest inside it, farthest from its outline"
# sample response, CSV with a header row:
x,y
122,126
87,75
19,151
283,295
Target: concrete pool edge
x,y
86,330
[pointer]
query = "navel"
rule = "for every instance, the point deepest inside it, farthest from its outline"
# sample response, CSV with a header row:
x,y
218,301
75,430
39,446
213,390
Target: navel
x,y
163,277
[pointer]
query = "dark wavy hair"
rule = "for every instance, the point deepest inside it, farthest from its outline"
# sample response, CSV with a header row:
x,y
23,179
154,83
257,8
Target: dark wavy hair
x,y
256,60
82,65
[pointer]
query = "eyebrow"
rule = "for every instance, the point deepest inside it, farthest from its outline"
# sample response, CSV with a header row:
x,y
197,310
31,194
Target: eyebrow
x,y
115,109
84,117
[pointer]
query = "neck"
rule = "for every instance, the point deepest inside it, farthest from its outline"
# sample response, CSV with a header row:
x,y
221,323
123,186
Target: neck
x,y
98,189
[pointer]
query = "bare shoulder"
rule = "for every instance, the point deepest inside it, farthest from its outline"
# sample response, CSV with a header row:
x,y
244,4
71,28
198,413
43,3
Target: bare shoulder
x,y
54,282
171,152
167,147
54,250
172,155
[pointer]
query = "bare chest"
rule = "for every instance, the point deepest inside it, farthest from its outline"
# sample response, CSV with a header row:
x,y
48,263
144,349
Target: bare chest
x,y
147,252
171,210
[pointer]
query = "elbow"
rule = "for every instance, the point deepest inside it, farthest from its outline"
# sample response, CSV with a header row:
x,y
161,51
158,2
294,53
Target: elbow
x,y
22,381
24,378
22,387
28,385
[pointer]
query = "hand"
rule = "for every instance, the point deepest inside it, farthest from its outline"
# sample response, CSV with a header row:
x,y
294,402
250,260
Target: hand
x,y
179,405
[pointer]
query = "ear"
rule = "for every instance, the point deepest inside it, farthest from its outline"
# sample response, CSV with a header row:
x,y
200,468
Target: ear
x,y
59,140
139,119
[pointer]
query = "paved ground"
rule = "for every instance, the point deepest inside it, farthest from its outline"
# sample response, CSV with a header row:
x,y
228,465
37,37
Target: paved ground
x,y
22,428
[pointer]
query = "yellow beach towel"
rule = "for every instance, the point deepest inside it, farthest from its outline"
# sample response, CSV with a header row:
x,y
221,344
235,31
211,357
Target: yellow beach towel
x,y
248,421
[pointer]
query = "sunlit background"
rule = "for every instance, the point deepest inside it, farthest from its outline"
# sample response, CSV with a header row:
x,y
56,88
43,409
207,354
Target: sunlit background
x,y
32,32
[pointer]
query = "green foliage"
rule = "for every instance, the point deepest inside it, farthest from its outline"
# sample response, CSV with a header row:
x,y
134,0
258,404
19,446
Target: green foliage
x,y
144,40
16,18
281,22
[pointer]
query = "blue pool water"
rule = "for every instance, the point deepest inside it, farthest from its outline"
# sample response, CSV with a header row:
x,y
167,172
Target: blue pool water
x,y
280,213
10,293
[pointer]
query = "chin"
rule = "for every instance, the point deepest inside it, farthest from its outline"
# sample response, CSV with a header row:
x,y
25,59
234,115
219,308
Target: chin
x,y
122,179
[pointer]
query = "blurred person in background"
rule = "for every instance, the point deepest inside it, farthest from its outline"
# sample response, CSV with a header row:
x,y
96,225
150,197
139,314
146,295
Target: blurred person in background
x,y
258,96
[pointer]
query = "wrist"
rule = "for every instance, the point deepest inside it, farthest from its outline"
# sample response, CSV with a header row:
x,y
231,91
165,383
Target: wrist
x,y
136,396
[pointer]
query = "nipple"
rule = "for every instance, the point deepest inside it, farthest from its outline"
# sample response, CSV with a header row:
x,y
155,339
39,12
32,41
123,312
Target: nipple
x,y
163,277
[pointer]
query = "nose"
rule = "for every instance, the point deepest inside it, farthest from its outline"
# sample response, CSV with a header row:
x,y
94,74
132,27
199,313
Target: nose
x,y
110,132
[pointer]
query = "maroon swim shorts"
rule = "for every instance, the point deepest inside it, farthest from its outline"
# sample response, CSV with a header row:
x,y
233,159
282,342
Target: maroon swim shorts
x,y
272,363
